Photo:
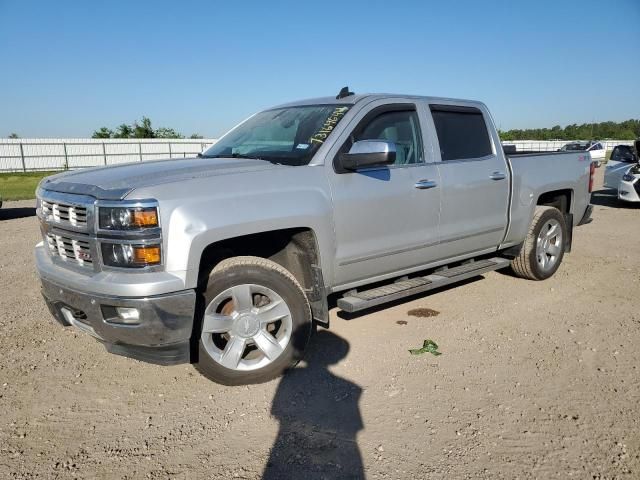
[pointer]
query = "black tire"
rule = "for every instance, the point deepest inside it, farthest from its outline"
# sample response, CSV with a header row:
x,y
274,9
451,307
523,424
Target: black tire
x,y
254,270
526,264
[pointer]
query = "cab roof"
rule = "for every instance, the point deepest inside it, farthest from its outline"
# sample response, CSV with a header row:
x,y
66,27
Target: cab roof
x,y
355,98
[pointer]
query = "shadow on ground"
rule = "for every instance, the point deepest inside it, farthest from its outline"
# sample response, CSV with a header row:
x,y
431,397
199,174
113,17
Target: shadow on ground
x,y
609,198
319,418
18,212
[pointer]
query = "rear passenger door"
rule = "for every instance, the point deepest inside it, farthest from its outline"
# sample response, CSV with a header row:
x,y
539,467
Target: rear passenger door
x,y
474,178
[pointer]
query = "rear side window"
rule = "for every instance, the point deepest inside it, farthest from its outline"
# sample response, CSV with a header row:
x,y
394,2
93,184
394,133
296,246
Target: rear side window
x,y
462,132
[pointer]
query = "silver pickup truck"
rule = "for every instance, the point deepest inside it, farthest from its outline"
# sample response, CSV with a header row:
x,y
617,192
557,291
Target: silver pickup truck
x,y
227,260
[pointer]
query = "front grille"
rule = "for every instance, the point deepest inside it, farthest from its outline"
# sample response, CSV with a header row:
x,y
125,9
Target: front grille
x,y
65,214
69,249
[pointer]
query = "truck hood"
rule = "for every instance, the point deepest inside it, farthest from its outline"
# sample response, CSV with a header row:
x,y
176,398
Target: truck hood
x,y
116,182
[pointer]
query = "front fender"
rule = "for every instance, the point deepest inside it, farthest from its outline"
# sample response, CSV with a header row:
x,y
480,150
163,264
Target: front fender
x,y
292,197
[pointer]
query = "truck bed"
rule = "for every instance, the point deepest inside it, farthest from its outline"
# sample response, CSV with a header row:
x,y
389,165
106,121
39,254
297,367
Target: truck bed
x,y
531,153
535,173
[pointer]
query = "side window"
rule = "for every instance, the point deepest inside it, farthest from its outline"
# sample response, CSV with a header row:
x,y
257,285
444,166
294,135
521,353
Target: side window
x,y
399,127
462,132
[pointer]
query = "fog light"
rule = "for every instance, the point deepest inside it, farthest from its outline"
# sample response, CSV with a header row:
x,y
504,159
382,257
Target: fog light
x,y
128,315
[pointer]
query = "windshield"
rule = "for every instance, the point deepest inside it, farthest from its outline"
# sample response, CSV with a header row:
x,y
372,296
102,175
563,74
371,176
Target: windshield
x,y
289,136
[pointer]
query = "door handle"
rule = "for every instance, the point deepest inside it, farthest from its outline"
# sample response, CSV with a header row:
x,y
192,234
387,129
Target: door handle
x,y
424,184
497,176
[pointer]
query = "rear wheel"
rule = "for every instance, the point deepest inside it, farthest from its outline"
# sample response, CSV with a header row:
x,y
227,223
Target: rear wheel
x,y
543,249
256,322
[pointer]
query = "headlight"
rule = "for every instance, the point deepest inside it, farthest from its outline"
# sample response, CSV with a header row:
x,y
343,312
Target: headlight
x,y
127,218
130,255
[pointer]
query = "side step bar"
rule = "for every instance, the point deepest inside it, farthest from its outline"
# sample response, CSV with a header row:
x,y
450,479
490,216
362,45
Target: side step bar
x,y
355,301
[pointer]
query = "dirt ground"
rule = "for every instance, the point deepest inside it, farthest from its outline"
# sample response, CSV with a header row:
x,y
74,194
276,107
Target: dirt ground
x,y
535,380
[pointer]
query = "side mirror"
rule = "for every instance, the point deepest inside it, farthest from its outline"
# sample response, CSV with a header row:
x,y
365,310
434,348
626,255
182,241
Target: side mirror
x,y
368,153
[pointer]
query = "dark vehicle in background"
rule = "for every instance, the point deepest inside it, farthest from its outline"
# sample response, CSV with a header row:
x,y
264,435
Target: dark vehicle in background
x,y
596,149
624,153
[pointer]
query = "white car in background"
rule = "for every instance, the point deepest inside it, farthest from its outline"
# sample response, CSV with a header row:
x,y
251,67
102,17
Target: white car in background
x,y
623,172
596,149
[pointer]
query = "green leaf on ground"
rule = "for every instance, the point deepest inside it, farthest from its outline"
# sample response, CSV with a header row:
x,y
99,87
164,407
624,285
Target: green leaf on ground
x,y
428,346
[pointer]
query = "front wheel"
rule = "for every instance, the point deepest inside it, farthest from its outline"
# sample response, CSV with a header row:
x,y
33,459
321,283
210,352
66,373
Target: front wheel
x,y
256,322
543,249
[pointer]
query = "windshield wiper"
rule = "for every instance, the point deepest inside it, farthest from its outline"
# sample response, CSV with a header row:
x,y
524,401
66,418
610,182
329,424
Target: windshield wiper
x,y
230,155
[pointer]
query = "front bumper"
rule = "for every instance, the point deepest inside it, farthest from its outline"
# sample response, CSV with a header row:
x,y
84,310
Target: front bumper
x,y
162,334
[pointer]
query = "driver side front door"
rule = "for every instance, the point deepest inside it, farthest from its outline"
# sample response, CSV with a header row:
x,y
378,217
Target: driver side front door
x,y
386,218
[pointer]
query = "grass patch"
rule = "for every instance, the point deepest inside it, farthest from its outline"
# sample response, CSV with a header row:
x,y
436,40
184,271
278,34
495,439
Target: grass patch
x,y
20,186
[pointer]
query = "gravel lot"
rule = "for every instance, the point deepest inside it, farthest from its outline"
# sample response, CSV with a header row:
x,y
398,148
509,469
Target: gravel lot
x,y
536,380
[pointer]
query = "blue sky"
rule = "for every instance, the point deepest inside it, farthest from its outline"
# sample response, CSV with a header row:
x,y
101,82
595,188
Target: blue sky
x,y
69,67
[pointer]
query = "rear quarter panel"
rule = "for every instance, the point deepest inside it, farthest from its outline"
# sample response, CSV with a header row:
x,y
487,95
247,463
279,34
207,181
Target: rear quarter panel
x,y
536,174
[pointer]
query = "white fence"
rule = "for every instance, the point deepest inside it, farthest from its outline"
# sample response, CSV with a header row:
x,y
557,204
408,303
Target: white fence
x,y
49,154
553,145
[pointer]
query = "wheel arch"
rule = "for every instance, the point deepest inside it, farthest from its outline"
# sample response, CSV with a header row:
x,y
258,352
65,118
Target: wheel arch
x,y
561,199
296,249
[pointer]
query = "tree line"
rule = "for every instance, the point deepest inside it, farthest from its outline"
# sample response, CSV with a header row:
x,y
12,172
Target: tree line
x,y
627,130
143,129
